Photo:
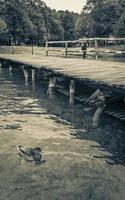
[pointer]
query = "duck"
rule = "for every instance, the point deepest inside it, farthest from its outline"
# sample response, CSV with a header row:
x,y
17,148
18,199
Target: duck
x,y
31,154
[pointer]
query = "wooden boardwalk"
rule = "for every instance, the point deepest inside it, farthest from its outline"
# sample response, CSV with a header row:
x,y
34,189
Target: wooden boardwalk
x,y
103,73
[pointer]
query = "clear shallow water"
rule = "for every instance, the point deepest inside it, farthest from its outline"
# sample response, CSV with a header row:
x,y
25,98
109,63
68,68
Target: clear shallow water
x,y
81,162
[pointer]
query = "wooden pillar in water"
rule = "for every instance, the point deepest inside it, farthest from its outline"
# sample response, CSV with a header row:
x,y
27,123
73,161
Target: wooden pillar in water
x,y
96,49
38,73
47,53
124,100
99,110
26,75
33,74
43,74
33,77
66,49
10,68
1,67
72,91
51,86
4,63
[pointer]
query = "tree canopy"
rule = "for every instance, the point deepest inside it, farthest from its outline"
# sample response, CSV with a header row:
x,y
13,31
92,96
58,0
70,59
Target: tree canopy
x,y
103,18
33,22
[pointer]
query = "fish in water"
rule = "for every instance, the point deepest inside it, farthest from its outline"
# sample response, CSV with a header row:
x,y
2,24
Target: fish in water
x,y
30,154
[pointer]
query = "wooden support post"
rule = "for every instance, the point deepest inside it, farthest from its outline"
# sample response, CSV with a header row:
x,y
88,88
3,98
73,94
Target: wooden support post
x,y
33,74
44,75
38,73
32,50
1,67
12,46
33,77
26,75
97,115
47,50
96,49
66,49
4,63
93,96
101,103
10,68
72,91
51,86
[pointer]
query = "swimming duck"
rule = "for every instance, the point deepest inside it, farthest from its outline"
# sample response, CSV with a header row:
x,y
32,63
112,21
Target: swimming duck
x,y
30,153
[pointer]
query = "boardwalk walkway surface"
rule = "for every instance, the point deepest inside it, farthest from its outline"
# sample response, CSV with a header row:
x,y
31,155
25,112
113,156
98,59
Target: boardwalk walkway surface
x,y
103,73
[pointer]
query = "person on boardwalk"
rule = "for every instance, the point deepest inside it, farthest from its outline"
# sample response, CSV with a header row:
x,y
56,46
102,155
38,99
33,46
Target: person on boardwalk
x,y
84,49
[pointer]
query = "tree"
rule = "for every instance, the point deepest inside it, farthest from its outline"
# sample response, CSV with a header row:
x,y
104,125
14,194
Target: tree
x,y
101,16
119,28
68,21
3,31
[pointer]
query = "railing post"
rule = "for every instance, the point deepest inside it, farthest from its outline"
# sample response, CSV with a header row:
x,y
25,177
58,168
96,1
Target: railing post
x,y
32,50
96,49
46,48
66,48
12,47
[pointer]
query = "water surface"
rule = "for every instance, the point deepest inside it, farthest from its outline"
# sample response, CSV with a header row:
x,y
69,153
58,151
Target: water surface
x,y
81,163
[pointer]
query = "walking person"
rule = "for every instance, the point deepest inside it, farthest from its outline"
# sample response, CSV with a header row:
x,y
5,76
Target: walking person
x,y
84,49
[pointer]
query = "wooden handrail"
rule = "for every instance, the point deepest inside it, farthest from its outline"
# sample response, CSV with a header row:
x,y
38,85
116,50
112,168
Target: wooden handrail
x,y
81,40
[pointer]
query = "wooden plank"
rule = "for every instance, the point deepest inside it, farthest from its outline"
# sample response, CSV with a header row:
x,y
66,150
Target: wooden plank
x,y
107,72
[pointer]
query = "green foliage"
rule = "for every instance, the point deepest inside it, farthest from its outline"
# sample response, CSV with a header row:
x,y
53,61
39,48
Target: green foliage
x,y
3,30
68,20
2,26
119,29
32,22
102,18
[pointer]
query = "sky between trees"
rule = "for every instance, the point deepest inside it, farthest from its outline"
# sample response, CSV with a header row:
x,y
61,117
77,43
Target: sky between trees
x,y
71,5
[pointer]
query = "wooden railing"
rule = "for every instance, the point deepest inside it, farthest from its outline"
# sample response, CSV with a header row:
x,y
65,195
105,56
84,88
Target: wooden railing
x,y
95,41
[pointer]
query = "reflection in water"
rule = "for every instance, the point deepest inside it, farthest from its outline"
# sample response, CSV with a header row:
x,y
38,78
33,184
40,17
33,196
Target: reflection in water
x,y
26,75
33,76
72,92
51,87
81,162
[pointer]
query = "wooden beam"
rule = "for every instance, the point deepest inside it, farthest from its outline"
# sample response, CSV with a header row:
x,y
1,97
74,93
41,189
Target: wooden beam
x,y
47,53
97,115
32,50
99,38
96,49
66,49
62,42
